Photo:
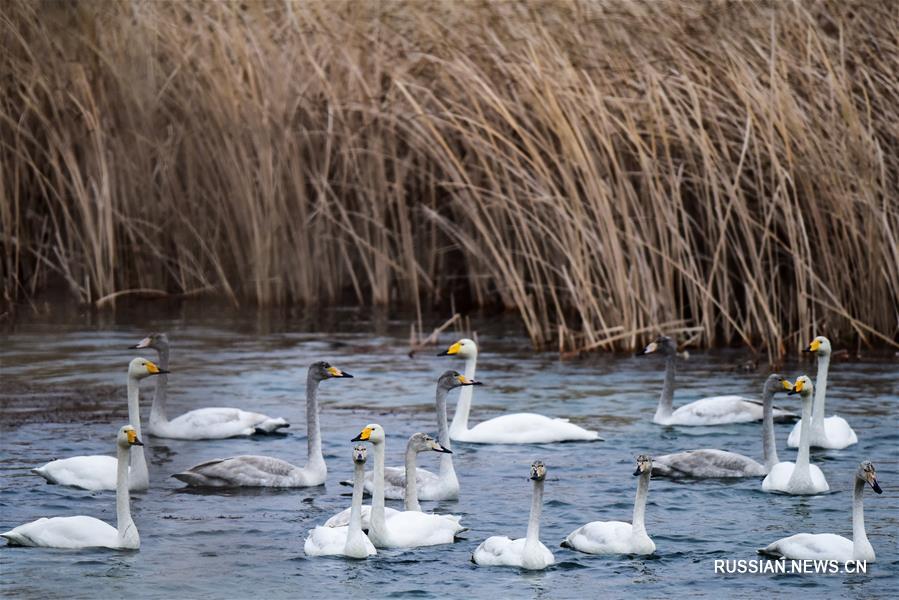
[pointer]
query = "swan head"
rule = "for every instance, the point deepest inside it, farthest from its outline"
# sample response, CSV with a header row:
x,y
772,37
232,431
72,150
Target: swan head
x,y
360,454
777,383
422,442
820,344
453,379
373,433
464,348
155,341
322,370
644,464
128,437
538,471
802,386
140,368
866,472
663,344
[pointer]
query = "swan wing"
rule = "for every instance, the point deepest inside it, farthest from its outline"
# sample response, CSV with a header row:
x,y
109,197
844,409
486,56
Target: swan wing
x,y
706,463
837,435
811,546
217,423
248,471
326,541
717,410
778,478
499,550
86,472
64,532
602,537
526,428
410,529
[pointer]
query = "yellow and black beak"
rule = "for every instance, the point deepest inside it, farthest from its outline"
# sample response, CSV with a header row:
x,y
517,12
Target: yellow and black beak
x,y
463,380
132,438
152,369
452,350
813,347
797,387
335,372
363,436
787,385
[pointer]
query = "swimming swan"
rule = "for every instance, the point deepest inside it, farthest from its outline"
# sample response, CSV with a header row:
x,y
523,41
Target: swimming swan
x,y
829,546
419,442
830,432
518,428
711,463
618,537
402,529
265,471
88,532
348,540
202,423
444,486
98,472
527,552
799,477
715,410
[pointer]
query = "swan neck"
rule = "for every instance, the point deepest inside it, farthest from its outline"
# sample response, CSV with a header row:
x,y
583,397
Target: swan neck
x,y
446,460
378,520
139,474
463,407
820,391
411,489
769,444
805,433
533,534
666,400
859,536
640,502
157,410
355,527
124,524
314,457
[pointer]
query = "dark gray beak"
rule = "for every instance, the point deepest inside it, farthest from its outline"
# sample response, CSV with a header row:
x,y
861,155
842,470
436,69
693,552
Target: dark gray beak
x,y
876,487
443,449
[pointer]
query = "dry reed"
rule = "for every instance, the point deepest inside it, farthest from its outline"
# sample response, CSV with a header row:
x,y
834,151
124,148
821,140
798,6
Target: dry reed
x,y
604,169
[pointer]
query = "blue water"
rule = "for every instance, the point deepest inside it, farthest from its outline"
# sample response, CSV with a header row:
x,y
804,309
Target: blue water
x,y
244,543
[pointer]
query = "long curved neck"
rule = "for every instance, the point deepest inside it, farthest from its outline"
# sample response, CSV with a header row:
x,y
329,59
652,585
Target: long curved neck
x,y
157,410
666,400
411,488
640,502
533,534
139,473
315,459
805,433
378,520
446,460
859,536
124,524
355,527
769,444
820,391
463,407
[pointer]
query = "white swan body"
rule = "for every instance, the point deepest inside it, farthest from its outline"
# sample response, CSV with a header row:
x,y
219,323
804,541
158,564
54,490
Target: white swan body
x,y
800,477
714,410
519,428
88,532
618,537
99,472
265,471
712,463
527,552
833,432
408,528
212,423
829,546
348,540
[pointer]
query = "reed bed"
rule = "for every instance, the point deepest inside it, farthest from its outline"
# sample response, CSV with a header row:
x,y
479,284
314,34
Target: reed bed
x,y
606,170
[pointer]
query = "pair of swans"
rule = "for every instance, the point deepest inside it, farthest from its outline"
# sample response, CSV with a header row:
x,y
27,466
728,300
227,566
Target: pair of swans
x,y
265,471
618,537
88,532
715,410
204,423
829,546
518,428
831,432
100,472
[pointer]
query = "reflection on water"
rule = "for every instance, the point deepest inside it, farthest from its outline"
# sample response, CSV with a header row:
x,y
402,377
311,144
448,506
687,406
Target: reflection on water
x,y
63,394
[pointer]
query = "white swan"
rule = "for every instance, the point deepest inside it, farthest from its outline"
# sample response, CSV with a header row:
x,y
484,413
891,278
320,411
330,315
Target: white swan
x,y
799,477
527,552
265,471
443,486
712,463
518,428
829,546
402,529
202,423
348,540
99,472
618,537
88,532
715,410
419,442
827,432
